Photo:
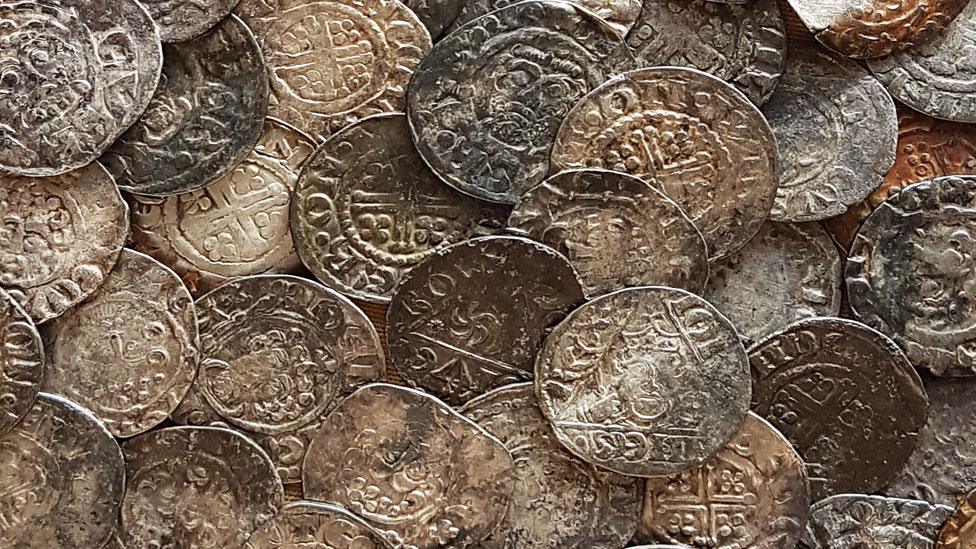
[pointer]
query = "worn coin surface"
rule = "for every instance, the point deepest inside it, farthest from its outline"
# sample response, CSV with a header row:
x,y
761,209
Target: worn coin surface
x,y
858,520
545,511
485,105
181,20
22,365
689,135
645,381
412,467
60,237
436,15
367,209
473,316
615,229
308,524
619,14
61,478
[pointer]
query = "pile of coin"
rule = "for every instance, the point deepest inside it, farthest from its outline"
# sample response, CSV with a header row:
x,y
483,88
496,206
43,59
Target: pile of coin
x,y
283,274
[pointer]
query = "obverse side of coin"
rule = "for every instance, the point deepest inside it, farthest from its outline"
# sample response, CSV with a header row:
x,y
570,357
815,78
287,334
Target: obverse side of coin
x,y
485,105
645,381
412,467
436,15
307,524
22,366
689,135
545,511
205,118
615,229
61,478
959,531
858,520
619,14
367,209
182,20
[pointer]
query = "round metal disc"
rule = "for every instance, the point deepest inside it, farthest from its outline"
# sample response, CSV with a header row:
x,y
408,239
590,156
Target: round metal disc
x,y
22,364
619,14
181,20
309,524
959,531
436,15
858,520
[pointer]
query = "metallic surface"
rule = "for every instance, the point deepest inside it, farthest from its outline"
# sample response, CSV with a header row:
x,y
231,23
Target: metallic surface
x,y
858,520
959,531
619,14
181,20
310,525
22,364
436,15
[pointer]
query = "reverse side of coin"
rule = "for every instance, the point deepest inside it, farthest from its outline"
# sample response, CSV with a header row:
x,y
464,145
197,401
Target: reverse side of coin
x,y
959,531
306,524
545,511
182,20
615,229
858,520
619,14
436,15
22,365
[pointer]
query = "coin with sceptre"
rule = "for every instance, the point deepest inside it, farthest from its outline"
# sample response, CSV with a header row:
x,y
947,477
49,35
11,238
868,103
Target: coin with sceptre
x,y
859,520
182,20
620,14
22,364
303,524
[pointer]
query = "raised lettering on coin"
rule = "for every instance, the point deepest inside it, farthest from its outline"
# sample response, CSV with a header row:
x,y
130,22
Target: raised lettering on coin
x,y
22,364
858,520
308,525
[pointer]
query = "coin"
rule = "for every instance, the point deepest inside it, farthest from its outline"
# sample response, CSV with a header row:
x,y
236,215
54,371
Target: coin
x,y
559,500
959,531
191,487
473,316
645,381
129,352
309,524
182,20
205,118
615,229
59,238
412,467
619,14
436,15
786,273
75,75
333,62
485,105
61,478
686,133
367,209
22,365
858,520
238,225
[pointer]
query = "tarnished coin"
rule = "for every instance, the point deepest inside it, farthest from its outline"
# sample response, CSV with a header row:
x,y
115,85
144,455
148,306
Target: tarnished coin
x,y
959,531
59,238
645,381
129,352
473,316
686,133
436,15
909,273
857,520
181,20
61,479
193,487
367,209
333,62
486,103
615,229
22,365
74,75
412,467
308,524
237,226
786,273
205,118
619,14
559,500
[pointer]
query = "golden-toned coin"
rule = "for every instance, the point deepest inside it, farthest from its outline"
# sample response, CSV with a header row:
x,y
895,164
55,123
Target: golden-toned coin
x,y
959,531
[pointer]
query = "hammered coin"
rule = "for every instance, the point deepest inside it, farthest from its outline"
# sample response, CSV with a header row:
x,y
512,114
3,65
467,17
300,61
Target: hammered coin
x,y
129,352
237,226
645,381
615,229
412,467
61,478
308,524
858,520
367,209
182,20
485,105
619,14
959,531
436,15
689,135
473,316
22,365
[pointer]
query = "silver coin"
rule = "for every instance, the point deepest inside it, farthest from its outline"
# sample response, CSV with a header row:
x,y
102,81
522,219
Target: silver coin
x,y
436,15
858,520
309,524
619,14
181,20
22,364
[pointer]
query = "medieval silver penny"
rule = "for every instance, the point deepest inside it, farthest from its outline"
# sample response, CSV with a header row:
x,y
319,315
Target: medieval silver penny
x,y
22,365
182,20
309,524
619,14
858,520
436,15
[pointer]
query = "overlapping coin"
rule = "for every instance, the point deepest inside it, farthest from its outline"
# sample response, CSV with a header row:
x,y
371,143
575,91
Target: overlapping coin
x,y
857,520
22,364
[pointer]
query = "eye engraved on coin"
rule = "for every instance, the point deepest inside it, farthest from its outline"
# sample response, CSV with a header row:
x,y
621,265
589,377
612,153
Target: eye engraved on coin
x,y
412,467
486,103
308,524
959,531
367,209
689,135
22,366
182,20
546,510
858,520
619,14
644,381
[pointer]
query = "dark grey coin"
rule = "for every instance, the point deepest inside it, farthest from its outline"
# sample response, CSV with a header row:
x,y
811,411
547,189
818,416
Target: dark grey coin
x,y
845,396
545,511
205,118
909,273
22,364
474,315
61,479
857,520
436,15
181,20
616,230
309,524
485,104
619,14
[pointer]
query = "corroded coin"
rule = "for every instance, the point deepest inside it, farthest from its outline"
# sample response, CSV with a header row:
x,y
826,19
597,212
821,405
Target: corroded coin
x,y
619,14
412,467
858,520
59,238
22,365
129,352
367,209
203,121
181,20
909,273
615,229
686,133
193,487
786,273
486,103
959,531
845,396
333,62
74,75
436,15
473,316
645,381
237,226
61,479
546,510
308,524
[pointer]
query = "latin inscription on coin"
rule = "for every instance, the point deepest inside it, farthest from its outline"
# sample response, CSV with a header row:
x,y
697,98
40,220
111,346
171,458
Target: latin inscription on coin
x,y
619,14
307,525
22,367
959,531
857,520
181,20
